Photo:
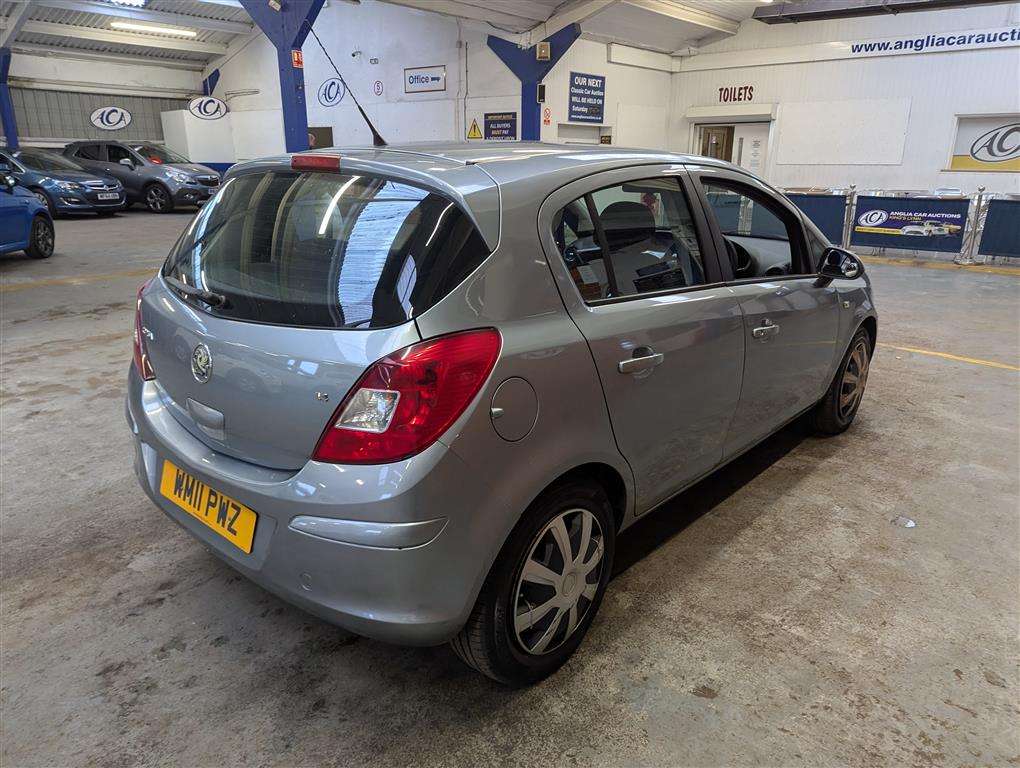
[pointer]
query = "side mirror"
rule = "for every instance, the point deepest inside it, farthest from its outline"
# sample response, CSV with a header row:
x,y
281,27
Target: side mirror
x,y
7,181
838,264
127,161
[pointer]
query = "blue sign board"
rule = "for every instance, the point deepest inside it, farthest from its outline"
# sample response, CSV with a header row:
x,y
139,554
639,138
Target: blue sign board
x,y
587,102
827,212
501,126
910,223
1001,235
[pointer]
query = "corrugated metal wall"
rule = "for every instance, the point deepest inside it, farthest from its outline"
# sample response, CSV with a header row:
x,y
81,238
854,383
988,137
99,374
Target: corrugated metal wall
x,y
46,115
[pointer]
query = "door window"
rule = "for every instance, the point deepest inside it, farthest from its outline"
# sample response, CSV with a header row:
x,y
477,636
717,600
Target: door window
x,y
118,153
91,152
763,238
629,239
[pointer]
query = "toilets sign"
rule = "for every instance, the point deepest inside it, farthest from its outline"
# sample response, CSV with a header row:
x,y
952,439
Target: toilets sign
x,y
587,103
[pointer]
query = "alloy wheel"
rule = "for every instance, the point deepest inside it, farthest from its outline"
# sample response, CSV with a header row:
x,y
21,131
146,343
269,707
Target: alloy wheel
x,y
156,198
42,236
855,377
559,581
41,197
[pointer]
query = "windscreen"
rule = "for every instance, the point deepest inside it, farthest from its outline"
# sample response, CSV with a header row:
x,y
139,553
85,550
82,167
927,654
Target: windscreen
x,y
325,250
41,160
159,155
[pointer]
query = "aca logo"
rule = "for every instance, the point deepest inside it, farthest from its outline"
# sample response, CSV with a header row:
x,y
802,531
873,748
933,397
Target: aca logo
x,y
111,118
332,92
207,108
998,145
872,218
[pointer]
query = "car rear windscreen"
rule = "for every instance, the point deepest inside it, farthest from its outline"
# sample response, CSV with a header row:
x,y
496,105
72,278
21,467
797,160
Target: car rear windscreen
x,y
325,250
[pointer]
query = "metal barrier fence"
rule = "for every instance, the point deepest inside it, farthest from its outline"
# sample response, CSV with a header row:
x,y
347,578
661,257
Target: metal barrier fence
x,y
972,228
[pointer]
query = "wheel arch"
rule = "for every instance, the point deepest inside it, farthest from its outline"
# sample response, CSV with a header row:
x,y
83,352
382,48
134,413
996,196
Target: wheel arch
x,y
607,476
870,324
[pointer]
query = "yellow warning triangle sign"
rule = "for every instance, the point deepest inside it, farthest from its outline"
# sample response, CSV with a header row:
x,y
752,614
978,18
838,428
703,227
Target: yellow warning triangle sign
x,y
473,131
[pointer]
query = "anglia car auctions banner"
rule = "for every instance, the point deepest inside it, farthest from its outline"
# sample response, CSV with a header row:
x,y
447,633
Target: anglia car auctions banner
x,y
915,224
987,144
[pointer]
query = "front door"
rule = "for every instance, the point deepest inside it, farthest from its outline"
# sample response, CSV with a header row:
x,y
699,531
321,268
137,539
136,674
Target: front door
x,y
639,277
128,175
791,321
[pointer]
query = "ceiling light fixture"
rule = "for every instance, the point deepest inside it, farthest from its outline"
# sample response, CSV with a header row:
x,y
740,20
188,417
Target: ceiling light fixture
x,y
132,27
132,3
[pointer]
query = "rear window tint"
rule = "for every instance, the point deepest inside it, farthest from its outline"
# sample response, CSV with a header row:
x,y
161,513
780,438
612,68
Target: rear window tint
x,y
326,250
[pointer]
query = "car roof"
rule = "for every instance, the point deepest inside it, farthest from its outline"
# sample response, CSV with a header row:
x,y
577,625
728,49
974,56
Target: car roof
x,y
481,175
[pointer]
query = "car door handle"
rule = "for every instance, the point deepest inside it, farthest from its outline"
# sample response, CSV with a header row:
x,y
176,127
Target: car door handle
x,y
764,331
643,363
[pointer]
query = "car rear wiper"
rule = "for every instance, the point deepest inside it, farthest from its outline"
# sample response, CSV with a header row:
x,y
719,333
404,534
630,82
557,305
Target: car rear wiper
x,y
217,300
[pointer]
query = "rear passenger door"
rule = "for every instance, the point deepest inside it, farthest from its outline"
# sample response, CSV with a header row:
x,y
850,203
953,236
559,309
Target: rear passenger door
x,y
635,265
791,321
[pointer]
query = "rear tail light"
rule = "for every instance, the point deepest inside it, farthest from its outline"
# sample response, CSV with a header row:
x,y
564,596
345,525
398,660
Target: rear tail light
x,y
142,364
404,402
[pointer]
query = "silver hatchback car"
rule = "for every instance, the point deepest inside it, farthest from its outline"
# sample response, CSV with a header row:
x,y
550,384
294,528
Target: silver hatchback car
x,y
420,391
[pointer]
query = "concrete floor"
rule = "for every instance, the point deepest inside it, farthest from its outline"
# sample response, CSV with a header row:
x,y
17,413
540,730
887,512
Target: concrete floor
x,y
773,615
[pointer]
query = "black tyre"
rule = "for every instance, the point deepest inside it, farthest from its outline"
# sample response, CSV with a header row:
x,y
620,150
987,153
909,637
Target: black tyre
x,y
837,409
41,238
157,199
537,603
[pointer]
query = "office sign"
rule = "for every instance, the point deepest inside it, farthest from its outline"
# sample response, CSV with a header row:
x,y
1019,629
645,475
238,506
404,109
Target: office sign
x,y
587,102
987,144
110,118
425,79
207,108
500,126
915,224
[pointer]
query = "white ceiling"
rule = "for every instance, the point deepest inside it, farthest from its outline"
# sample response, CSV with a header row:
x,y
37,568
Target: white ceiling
x,y
660,25
84,26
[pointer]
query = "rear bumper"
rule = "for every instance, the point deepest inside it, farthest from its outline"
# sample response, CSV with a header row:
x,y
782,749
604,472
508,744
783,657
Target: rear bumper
x,y
394,552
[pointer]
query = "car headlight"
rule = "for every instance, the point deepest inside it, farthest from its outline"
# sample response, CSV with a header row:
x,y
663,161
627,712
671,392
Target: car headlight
x,y
179,176
69,186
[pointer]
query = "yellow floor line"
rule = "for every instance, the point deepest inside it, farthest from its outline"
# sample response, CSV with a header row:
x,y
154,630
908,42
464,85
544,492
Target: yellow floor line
x,y
947,356
983,268
9,287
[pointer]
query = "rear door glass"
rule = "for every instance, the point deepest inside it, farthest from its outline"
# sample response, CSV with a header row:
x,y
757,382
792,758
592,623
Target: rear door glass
x,y
326,250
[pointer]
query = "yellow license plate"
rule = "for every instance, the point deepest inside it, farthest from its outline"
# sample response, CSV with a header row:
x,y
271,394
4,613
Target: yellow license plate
x,y
227,517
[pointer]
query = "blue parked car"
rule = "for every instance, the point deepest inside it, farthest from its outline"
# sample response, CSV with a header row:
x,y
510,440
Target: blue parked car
x,y
63,185
25,223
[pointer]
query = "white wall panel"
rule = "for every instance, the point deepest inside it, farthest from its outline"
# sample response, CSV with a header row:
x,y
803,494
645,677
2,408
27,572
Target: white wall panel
x,y
833,133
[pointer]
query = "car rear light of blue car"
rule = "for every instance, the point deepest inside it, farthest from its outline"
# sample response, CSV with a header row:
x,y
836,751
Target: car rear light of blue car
x,y
404,402
142,364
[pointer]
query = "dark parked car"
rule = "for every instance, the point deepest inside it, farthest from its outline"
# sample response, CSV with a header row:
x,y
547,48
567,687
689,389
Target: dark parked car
x,y
150,174
62,185
25,223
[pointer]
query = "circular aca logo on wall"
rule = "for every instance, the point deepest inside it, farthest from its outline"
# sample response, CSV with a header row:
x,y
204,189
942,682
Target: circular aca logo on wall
x,y
111,118
872,218
207,108
332,92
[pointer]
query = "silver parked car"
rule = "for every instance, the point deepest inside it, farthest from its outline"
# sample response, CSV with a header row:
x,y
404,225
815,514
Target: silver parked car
x,y
420,391
150,174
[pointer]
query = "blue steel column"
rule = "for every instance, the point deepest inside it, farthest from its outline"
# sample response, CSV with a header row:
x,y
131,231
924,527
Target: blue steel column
x,y
6,105
522,62
286,30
